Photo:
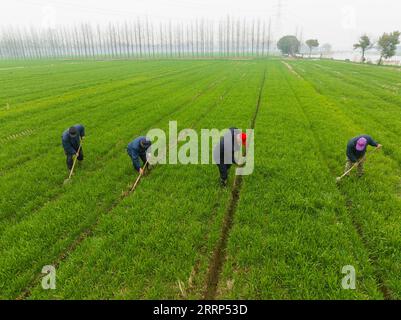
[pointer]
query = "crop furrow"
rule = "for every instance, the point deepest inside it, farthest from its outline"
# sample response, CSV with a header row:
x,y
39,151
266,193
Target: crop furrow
x,y
385,290
218,257
88,230
130,211
383,118
28,109
358,229
88,81
367,89
96,107
111,150
216,203
39,87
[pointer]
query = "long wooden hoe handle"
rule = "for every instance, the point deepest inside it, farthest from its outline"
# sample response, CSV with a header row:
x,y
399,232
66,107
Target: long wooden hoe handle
x,y
140,175
357,163
75,161
139,178
352,168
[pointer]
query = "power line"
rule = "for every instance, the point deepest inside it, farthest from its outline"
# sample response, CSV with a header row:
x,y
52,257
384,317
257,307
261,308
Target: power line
x,y
92,9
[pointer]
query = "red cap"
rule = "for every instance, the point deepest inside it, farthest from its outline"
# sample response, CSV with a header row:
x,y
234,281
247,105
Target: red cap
x,y
243,138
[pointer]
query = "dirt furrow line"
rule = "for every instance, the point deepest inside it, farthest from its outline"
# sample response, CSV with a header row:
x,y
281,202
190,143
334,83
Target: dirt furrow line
x,y
348,205
7,169
219,255
89,230
117,145
23,113
216,204
387,99
379,279
291,69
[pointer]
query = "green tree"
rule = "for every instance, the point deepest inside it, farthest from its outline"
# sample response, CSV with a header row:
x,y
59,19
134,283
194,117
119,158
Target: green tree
x,y
289,45
364,44
312,43
388,45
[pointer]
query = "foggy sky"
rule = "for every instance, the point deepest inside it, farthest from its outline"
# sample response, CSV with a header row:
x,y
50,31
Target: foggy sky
x,y
338,22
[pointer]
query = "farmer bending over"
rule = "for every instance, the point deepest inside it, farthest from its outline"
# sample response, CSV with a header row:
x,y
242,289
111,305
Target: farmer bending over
x,y
223,152
71,140
356,151
137,150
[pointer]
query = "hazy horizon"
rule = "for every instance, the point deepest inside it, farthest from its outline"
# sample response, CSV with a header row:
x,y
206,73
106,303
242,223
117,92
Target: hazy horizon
x,y
338,22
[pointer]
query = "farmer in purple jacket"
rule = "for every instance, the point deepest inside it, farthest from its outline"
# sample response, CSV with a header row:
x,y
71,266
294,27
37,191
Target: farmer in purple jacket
x,y
356,152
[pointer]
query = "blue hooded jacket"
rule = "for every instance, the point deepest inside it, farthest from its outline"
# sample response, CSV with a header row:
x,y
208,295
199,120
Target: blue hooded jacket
x,y
71,144
135,150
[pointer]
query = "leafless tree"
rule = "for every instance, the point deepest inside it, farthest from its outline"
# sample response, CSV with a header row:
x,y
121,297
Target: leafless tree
x,y
140,38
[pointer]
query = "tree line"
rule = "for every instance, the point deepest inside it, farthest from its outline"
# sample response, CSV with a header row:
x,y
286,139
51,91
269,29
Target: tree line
x,y
290,45
140,38
386,45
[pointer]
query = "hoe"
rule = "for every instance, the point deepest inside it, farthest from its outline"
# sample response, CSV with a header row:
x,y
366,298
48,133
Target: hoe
x,y
139,178
126,193
338,179
73,165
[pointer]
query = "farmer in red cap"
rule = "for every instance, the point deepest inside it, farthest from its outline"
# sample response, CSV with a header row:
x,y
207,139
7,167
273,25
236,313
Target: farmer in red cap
x,y
223,153
356,150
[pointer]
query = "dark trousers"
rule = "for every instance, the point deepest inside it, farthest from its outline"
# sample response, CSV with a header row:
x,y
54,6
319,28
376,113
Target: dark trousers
x,y
223,169
70,160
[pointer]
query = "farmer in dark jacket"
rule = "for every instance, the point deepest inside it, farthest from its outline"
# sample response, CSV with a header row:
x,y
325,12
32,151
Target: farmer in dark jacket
x,y
71,141
137,150
223,153
356,151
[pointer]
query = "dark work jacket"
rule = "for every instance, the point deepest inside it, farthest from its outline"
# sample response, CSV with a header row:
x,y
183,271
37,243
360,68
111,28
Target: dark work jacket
x,y
70,144
135,150
353,154
226,150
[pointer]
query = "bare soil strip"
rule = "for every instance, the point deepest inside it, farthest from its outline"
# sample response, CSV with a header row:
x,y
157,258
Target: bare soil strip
x,y
196,268
291,69
219,255
203,249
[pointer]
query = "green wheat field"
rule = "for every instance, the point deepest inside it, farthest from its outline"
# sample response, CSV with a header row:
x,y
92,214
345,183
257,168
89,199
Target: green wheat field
x,y
291,229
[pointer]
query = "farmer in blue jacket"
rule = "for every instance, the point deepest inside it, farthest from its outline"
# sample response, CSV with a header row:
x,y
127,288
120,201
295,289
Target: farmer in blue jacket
x,y
224,152
356,151
71,140
137,150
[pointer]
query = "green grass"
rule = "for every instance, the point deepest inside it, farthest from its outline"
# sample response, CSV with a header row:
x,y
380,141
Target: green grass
x,y
294,228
